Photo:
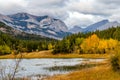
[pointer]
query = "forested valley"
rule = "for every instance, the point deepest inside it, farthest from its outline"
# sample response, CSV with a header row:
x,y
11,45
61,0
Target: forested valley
x,y
100,42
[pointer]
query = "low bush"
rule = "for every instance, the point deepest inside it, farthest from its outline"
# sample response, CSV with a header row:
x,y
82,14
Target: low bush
x,y
4,49
115,62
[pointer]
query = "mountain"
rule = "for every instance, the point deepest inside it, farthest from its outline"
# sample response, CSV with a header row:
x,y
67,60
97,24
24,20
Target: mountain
x,y
75,29
40,25
109,25
95,26
101,25
9,30
4,29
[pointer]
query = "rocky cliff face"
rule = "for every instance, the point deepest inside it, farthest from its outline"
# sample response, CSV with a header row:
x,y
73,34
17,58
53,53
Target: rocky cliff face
x,y
40,25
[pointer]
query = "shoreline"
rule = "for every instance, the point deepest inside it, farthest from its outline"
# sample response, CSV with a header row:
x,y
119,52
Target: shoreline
x,y
48,54
92,73
84,66
79,74
99,72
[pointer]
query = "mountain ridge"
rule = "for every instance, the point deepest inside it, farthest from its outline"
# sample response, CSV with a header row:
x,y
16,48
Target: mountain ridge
x,y
40,25
75,29
48,26
20,34
101,25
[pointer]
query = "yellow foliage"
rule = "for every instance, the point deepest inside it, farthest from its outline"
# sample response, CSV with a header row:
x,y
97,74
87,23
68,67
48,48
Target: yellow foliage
x,y
93,44
112,43
50,46
103,44
90,43
107,44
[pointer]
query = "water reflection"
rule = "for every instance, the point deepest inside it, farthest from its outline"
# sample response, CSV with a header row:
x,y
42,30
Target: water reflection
x,y
39,67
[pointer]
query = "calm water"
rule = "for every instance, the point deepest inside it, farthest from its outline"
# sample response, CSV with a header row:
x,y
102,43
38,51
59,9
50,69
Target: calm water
x,y
32,67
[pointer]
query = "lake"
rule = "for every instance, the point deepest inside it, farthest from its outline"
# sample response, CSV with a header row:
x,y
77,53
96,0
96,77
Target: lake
x,y
33,67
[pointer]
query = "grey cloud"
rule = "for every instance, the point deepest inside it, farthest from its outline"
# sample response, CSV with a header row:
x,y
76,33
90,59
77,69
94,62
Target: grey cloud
x,y
94,8
98,9
110,2
12,10
47,3
54,8
11,7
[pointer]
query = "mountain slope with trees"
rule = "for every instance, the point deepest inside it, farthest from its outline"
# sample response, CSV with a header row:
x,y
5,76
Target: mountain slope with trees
x,y
11,42
91,42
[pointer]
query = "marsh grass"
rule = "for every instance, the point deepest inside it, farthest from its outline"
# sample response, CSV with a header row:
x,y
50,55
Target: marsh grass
x,y
72,67
101,72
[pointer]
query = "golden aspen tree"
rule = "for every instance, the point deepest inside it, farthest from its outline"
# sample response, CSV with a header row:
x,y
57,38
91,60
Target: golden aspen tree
x,y
112,43
103,45
90,44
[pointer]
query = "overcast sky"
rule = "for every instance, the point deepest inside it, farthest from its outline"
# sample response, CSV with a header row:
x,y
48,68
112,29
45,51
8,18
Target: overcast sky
x,y
72,12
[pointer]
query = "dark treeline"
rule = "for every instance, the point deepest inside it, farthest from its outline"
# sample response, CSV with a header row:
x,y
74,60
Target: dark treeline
x,y
23,42
10,44
75,42
113,33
